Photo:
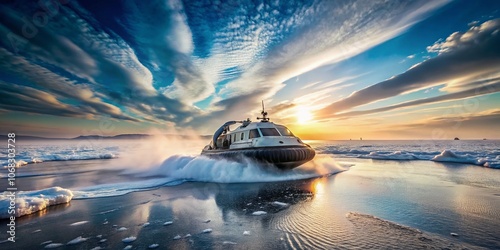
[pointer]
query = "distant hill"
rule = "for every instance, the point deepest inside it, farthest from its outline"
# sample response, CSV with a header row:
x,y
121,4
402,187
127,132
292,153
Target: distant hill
x,y
122,136
96,137
31,138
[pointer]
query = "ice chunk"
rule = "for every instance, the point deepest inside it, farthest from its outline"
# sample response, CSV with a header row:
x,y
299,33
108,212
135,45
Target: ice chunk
x,y
187,235
53,245
246,233
153,246
259,213
129,239
36,160
207,221
177,237
121,229
106,222
77,240
146,224
79,223
97,248
28,202
281,204
127,247
46,242
228,243
454,234
20,163
449,156
168,223
37,231
103,240
206,231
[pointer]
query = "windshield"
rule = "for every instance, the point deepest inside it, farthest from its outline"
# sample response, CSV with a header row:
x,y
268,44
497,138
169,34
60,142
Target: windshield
x,y
284,131
269,132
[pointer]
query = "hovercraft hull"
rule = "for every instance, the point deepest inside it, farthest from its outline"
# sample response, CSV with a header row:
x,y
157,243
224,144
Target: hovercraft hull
x,y
282,157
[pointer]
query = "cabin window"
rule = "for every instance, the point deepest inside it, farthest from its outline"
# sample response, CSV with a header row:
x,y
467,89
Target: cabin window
x,y
254,133
269,132
284,131
242,136
234,138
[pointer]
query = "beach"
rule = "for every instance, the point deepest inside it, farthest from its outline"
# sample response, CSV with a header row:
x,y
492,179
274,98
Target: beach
x,y
359,204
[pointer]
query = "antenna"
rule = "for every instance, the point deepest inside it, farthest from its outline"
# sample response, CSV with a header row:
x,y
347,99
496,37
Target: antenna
x,y
264,114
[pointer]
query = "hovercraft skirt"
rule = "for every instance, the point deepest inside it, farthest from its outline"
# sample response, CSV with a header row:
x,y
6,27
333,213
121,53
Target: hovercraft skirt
x,y
281,157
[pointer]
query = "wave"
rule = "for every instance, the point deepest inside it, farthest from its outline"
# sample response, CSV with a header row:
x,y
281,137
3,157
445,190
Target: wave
x,y
173,171
178,169
61,157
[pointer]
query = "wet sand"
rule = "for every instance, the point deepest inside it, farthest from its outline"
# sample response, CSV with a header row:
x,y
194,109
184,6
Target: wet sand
x,y
416,205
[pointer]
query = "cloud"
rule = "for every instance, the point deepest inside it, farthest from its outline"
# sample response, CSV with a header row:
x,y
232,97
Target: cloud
x,y
72,58
27,99
481,88
55,86
463,57
165,56
478,125
167,41
358,27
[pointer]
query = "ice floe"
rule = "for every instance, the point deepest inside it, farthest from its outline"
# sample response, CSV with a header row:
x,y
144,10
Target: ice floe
x,y
77,240
54,245
79,223
129,239
153,246
259,213
206,231
28,202
281,204
480,153
46,242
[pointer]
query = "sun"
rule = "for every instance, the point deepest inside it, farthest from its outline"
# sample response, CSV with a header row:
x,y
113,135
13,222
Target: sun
x,y
303,115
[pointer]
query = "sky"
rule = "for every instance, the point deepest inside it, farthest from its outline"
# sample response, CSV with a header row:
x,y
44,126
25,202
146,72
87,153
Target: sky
x,y
332,69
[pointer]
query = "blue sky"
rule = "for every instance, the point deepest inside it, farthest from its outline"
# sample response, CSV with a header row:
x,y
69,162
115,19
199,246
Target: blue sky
x,y
326,69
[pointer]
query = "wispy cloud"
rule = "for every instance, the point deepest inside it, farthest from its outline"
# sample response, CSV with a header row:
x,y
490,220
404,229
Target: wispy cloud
x,y
478,125
464,59
72,58
314,44
481,88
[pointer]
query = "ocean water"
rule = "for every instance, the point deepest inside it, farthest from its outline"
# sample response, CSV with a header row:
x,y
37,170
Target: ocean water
x,y
435,187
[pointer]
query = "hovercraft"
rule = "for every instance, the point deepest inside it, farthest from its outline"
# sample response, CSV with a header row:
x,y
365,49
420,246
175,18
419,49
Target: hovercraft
x,y
263,141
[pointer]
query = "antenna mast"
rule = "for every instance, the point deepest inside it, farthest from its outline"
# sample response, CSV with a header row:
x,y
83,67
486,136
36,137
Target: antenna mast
x,y
264,117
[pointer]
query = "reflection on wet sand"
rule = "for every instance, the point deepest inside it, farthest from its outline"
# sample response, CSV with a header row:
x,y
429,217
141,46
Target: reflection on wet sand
x,y
245,199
